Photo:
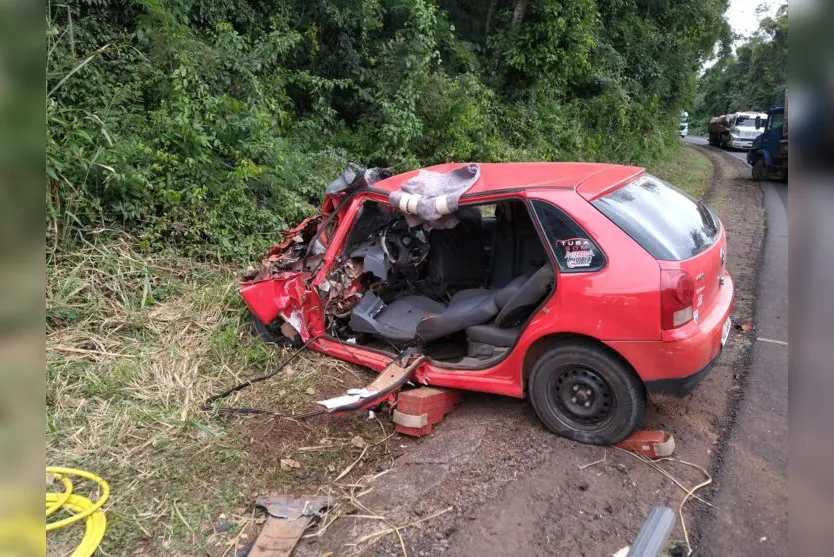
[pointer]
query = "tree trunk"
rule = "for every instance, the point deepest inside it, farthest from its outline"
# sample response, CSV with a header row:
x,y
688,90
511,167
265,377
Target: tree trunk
x,y
518,15
488,22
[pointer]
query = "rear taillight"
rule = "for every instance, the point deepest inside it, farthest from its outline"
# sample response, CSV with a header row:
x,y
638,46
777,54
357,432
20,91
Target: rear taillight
x,y
677,291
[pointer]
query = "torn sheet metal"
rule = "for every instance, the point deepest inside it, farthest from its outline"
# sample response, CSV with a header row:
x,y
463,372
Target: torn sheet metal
x,y
299,234
287,296
342,289
388,382
352,397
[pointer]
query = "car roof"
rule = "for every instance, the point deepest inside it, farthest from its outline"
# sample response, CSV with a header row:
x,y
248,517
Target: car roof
x,y
590,180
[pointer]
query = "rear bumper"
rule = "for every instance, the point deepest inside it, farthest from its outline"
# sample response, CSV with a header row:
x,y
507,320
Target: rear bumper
x,y
680,360
680,386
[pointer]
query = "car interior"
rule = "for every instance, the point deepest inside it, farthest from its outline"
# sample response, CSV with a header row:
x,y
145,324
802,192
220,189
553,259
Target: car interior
x,y
462,295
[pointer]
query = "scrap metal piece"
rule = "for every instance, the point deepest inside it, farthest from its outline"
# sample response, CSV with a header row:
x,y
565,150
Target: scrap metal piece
x,y
351,397
291,508
389,380
287,255
286,297
287,520
344,289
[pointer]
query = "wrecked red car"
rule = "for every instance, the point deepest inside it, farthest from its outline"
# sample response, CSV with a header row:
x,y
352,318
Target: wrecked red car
x,y
585,287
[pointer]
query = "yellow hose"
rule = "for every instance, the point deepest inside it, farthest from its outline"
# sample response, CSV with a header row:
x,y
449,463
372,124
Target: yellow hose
x,y
79,508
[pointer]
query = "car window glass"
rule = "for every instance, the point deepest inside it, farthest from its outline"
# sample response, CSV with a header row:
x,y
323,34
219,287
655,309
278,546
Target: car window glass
x,y
573,247
668,223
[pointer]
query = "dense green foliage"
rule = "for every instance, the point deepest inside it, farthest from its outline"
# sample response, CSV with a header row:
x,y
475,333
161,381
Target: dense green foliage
x,y
753,78
209,124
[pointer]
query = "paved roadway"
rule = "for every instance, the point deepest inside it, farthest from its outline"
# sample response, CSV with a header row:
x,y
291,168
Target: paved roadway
x,y
698,140
757,451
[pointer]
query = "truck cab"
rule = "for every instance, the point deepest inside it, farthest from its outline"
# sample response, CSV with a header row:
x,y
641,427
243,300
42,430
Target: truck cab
x,y
769,153
743,130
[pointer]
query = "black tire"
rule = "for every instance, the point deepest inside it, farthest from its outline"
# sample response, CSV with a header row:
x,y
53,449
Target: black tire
x,y
759,169
611,402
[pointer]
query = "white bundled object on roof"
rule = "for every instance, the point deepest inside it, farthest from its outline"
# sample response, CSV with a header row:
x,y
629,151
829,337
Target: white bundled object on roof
x,y
432,197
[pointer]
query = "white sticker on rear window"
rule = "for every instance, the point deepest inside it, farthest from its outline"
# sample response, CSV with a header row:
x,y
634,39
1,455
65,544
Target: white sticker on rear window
x,y
578,252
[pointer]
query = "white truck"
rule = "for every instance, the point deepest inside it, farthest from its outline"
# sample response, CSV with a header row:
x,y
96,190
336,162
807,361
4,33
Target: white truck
x,y
735,131
683,126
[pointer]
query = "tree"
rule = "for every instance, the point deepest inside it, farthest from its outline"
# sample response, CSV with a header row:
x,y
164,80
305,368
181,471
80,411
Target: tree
x,y
216,122
753,78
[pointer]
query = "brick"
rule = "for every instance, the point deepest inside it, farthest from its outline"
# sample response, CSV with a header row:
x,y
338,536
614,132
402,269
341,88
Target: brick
x,y
418,410
650,443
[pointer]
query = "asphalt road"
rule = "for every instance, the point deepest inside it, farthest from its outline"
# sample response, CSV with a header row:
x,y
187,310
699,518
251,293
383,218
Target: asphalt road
x,y
698,140
752,472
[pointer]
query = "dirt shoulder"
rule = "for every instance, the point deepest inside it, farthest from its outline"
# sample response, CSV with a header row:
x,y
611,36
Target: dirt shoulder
x,y
752,458
505,486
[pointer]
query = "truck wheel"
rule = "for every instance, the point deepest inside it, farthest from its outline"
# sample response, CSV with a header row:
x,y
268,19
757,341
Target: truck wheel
x,y
583,392
759,169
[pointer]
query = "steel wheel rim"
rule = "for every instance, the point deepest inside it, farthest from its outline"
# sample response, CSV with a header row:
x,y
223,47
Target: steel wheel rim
x,y
581,397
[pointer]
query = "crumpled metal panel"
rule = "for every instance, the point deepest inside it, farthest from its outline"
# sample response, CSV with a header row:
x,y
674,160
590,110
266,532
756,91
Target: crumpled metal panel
x,y
288,297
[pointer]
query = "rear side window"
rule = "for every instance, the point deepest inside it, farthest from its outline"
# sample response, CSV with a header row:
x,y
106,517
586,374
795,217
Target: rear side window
x,y
668,223
574,249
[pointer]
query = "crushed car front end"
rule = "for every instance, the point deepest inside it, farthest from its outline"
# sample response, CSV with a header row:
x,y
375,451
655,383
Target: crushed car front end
x,y
281,293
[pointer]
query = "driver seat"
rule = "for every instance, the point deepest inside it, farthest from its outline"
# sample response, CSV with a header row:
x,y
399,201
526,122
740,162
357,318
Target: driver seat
x,y
419,318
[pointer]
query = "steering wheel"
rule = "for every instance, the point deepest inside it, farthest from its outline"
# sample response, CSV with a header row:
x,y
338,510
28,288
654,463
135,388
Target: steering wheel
x,y
404,246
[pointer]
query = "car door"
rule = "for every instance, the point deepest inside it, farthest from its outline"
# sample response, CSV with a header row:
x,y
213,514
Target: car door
x,y
607,287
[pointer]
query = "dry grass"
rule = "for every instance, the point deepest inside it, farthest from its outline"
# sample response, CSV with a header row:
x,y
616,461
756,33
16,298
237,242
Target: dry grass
x,y
134,344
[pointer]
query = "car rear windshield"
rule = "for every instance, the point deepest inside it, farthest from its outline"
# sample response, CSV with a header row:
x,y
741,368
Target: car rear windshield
x,y
668,223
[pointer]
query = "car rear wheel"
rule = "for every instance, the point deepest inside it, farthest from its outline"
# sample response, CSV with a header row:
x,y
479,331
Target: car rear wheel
x,y
583,392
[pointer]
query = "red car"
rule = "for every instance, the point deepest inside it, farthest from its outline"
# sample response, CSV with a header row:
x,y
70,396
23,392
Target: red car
x,y
584,286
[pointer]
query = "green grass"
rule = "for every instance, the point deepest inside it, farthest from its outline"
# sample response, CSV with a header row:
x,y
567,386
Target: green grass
x,y
687,169
135,342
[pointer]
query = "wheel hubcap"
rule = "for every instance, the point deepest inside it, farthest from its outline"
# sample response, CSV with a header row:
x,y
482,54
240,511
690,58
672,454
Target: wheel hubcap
x,y
583,395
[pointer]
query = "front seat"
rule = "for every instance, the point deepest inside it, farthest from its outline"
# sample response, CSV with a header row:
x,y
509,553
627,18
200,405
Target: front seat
x,y
456,258
421,319
516,306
